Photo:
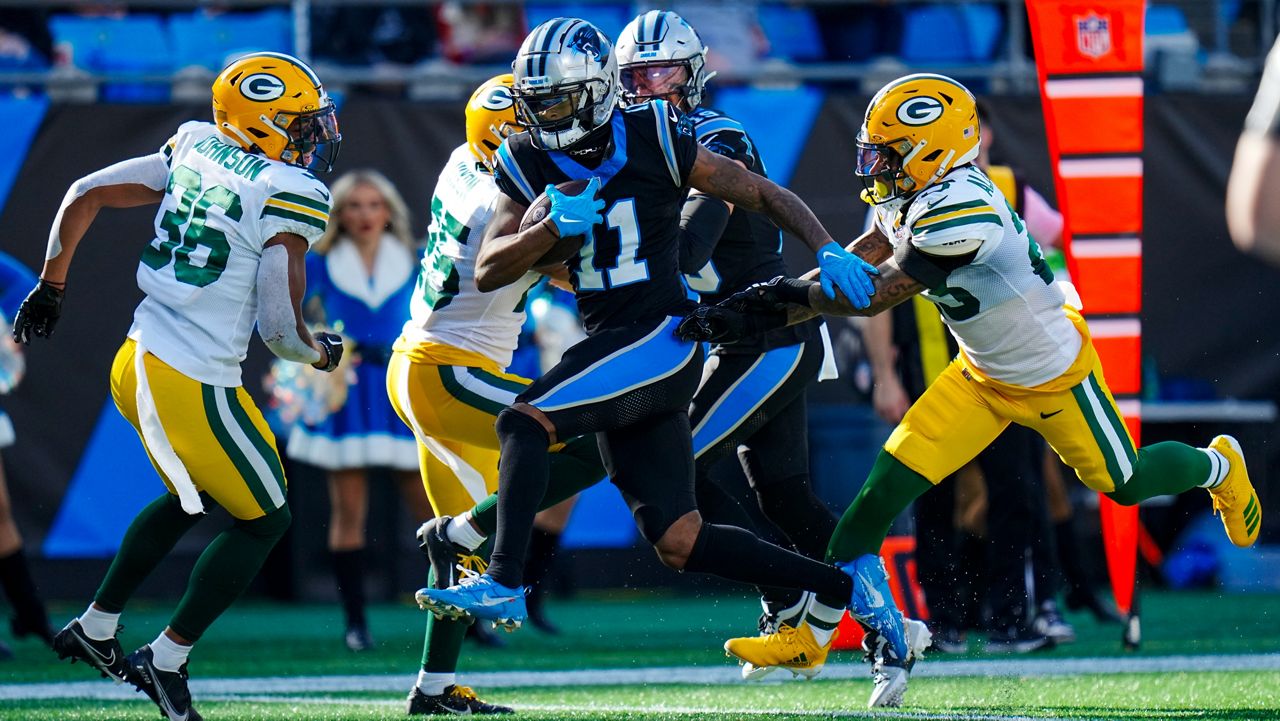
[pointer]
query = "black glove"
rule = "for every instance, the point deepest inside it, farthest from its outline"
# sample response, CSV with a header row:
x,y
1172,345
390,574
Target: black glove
x,y
775,294
332,345
719,324
39,312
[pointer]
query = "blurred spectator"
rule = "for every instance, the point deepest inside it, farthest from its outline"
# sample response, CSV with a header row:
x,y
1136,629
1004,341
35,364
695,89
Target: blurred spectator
x,y
862,32
1253,216
359,281
25,40
480,32
372,35
29,615
729,28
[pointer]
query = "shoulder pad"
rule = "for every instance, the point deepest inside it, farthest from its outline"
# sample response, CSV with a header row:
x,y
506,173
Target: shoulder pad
x,y
297,196
955,216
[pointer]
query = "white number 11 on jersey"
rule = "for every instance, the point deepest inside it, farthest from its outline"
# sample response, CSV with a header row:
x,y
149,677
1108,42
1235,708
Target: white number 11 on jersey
x,y
621,216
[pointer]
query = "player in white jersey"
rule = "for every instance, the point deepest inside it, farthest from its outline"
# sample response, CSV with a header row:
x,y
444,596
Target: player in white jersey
x,y
447,380
942,229
238,211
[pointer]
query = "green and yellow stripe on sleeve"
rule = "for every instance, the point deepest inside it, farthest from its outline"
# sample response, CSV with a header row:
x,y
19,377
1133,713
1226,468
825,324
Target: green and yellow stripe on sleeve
x,y
946,217
299,208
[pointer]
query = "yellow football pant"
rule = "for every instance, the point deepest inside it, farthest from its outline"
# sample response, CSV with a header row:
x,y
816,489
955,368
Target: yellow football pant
x,y
452,409
217,432
962,413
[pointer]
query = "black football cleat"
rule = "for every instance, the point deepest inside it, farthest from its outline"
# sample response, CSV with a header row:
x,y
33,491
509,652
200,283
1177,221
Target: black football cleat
x,y
167,689
455,701
106,656
441,552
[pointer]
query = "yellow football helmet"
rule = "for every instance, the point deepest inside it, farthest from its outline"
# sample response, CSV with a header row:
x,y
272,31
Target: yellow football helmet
x,y
273,104
491,116
917,128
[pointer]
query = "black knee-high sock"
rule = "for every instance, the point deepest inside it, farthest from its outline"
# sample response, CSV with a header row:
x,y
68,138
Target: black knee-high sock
x,y
717,506
29,615
348,571
791,506
737,555
523,474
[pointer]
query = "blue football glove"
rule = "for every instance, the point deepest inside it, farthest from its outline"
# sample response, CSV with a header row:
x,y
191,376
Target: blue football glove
x,y
575,214
846,271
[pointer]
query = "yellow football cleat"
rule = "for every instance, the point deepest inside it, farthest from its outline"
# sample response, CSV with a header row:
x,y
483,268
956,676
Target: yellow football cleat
x,y
791,648
1235,498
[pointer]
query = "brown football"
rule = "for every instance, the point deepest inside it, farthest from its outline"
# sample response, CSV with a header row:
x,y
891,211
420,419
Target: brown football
x,y
565,248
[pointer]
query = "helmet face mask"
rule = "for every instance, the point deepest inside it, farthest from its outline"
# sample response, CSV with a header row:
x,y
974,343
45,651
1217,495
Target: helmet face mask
x,y
313,137
646,81
879,167
565,82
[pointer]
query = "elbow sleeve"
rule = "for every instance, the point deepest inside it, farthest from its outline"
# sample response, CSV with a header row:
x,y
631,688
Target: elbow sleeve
x,y
277,324
702,222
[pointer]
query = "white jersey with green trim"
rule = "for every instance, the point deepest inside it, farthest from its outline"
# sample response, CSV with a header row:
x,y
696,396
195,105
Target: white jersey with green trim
x,y
1003,307
447,307
200,272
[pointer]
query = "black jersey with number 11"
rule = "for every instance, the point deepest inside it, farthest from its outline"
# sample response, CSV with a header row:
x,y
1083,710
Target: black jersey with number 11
x,y
628,270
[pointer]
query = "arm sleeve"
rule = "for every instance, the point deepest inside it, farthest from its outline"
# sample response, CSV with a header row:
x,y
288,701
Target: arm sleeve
x,y
299,206
151,171
931,270
277,325
702,222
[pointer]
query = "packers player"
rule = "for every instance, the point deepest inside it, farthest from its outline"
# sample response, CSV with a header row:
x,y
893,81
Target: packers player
x,y
943,230
448,383
238,211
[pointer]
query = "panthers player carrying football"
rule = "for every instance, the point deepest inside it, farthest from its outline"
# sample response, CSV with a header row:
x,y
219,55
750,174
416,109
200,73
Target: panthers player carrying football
x,y
751,399
238,210
942,229
447,382
631,380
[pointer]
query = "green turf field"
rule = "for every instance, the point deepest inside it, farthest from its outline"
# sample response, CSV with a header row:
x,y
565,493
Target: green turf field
x,y
1204,657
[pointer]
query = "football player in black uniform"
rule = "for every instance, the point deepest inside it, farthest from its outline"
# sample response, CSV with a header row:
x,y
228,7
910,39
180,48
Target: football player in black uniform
x,y
752,397
632,379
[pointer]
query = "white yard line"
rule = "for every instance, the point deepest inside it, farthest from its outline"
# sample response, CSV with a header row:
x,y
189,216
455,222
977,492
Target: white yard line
x,y
229,688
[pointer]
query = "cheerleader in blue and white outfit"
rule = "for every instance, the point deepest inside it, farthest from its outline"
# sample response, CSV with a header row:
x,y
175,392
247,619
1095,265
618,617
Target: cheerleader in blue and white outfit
x,y
360,276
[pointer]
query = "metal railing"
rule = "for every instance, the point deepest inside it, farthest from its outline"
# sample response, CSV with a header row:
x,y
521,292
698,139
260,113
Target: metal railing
x,y
1012,71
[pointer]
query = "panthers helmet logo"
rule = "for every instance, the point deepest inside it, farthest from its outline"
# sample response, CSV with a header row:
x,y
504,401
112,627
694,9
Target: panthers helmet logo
x,y
587,42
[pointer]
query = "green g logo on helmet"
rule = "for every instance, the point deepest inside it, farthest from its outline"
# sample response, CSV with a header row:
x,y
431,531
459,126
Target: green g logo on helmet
x,y
920,110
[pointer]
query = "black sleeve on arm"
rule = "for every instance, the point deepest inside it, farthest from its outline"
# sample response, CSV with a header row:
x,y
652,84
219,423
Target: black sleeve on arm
x,y
930,270
702,222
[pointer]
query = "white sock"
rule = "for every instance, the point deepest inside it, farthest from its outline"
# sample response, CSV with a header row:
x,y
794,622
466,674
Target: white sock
x,y
99,625
1218,467
461,532
167,654
434,684
822,620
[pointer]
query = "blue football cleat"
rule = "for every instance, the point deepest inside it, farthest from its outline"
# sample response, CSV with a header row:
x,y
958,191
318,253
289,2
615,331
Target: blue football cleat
x,y
477,596
872,603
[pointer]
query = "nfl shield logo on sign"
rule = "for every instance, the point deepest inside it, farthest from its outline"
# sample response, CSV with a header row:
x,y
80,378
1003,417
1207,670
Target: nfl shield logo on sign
x,y
1093,35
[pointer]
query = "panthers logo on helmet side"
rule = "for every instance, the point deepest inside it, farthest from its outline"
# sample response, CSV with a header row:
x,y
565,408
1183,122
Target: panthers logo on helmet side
x,y
920,110
262,87
587,42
